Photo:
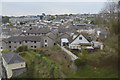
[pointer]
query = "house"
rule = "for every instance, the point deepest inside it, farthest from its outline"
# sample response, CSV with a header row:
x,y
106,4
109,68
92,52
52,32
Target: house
x,y
80,26
36,32
102,32
13,63
80,42
63,35
32,42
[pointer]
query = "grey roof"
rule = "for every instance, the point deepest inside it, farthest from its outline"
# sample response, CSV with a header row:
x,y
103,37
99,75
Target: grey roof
x,y
64,30
12,58
23,38
39,31
80,24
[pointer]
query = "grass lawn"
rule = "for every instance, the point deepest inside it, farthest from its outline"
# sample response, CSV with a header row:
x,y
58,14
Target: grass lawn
x,y
90,18
91,72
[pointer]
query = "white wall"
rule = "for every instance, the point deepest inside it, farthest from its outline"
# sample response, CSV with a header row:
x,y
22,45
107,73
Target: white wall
x,y
78,41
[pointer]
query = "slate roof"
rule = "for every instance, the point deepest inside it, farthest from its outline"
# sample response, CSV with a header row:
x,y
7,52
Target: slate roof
x,y
12,58
80,24
23,38
64,30
39,31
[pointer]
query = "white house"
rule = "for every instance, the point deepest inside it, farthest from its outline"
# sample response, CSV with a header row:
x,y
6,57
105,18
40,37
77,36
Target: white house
x,y
80,42
13,64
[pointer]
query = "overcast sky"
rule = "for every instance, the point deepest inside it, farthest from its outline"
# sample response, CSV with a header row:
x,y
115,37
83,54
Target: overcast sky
x,y
36,7
53,0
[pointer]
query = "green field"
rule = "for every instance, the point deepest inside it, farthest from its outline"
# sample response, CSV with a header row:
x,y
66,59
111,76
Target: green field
x,y
90,18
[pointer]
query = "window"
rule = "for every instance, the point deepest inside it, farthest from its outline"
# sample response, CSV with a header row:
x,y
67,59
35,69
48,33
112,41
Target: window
x,y
54,43
9,46
25,41
31,46
1,48
14,42
28,33
80,38
34,41
34,46
45,40
9,41
45,45
20,42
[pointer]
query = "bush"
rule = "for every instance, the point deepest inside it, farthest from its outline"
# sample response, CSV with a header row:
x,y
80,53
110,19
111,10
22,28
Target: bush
x,y
79,62
5,51
22,48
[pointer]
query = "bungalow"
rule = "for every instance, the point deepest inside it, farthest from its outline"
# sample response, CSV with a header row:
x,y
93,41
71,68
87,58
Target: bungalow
x,y
13,64
80,42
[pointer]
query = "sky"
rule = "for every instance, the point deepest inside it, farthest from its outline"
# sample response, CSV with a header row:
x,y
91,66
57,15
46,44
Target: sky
x,y
53,0
36,7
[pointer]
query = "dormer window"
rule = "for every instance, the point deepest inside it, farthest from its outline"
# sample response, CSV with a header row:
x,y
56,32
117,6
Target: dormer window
x,y
80,38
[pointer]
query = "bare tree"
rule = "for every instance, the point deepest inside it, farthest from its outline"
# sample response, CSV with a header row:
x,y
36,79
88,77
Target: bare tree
x,y
108,16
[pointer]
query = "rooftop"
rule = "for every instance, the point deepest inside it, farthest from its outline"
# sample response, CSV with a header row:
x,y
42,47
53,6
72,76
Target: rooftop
x,y
23,38
12,58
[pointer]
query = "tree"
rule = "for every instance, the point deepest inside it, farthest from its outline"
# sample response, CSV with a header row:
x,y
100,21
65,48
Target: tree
x,y
22,48
85,21
5,19
108,16
5,51
10,24
79,62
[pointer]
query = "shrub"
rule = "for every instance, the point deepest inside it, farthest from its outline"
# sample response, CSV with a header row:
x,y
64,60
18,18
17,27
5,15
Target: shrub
x,y
79,62
22,48
5,51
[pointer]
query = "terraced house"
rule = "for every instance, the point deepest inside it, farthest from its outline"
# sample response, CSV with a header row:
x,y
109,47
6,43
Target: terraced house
x,y
32,42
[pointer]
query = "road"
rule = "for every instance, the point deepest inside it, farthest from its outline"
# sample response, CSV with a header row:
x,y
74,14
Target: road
x,y
73,57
